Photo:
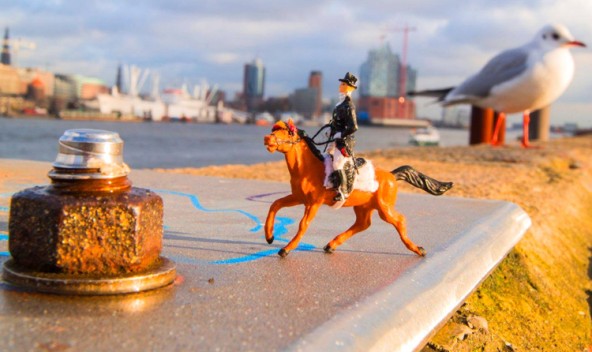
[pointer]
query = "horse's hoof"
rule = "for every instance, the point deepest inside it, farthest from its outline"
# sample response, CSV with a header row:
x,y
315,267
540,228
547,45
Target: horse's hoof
x,y
270,240
283,253
422,251
328,249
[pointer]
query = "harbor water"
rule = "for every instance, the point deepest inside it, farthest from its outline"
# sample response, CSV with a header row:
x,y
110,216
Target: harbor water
x,y
175,145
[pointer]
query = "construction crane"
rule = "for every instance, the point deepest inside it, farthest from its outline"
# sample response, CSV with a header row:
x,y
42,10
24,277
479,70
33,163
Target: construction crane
x,y
403,72
135,78
19,44
403,77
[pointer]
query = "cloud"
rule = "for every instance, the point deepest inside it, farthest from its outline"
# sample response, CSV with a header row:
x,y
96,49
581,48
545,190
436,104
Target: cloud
x,y
187,40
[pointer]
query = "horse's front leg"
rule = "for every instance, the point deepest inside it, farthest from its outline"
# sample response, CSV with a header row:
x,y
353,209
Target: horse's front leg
x,y
310,211
287,201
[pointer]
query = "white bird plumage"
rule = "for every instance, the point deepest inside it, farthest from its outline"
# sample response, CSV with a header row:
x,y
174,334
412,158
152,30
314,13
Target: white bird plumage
x,y
521,79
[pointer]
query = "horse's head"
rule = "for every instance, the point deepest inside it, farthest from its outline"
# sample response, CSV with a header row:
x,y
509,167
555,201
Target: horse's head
x,y
283,137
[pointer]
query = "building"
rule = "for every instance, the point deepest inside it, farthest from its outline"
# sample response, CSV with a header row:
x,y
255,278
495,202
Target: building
x,y
74,87
308,101
379,88
379,74
10,81
315,81
44,80
89,88
304,101
254,84
65,88
5,57
386,110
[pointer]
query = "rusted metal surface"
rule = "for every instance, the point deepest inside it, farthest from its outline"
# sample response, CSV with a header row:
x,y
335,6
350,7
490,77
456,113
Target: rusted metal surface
x,y
89,231
92,233
161,273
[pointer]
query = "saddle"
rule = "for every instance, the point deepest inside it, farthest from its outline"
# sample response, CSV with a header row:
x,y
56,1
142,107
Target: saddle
x,y
360,162
362,175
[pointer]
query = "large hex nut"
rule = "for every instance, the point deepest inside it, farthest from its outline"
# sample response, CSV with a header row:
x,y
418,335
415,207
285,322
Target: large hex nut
x,y
95,234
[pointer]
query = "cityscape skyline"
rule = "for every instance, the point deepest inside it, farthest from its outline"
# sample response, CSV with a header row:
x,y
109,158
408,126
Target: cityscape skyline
x,y
188,42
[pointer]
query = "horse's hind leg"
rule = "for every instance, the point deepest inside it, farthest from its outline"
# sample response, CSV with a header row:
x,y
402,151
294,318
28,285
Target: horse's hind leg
x,y
363,221
398,221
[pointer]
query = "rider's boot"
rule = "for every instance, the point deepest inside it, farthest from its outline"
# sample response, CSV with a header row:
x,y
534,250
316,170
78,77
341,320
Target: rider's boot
x,y
341,186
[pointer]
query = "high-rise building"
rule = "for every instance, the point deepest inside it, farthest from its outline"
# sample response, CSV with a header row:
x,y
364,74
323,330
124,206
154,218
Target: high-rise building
x,y
379,86
254,84
308,101
5,59
303,101
380,74
119,79
315,81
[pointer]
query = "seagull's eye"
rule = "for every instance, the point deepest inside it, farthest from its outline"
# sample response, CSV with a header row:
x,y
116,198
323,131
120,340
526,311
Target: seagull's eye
x,y
555,36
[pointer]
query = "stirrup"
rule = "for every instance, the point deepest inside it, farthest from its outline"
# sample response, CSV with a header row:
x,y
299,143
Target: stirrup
x,y
339,197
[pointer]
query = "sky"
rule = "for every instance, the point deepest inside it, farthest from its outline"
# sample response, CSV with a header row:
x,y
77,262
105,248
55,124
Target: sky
x,y
195,41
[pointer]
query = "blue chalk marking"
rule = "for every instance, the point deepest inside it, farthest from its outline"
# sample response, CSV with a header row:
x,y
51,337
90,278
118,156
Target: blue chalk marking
x,y
196,203
304,247
4,237
280,227
279,230
4,209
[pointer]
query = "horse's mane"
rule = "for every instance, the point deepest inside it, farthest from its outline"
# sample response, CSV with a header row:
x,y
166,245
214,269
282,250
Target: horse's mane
x,y
311,145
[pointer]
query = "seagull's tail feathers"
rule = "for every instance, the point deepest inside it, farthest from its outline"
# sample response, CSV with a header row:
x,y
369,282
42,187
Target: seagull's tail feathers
x,y
436,93
459,99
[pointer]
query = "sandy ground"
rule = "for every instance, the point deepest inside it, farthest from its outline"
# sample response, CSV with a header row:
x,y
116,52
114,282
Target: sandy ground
x,y
540,297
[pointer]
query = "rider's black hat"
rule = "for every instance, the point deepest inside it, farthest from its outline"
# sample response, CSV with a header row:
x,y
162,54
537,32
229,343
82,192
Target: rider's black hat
x,y
350,80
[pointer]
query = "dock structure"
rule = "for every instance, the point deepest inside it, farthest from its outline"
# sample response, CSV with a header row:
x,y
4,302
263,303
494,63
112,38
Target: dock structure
x,y
483,122
234,293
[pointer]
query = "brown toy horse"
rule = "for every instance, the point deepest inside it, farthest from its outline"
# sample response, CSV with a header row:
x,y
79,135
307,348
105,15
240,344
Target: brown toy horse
x,y
307,172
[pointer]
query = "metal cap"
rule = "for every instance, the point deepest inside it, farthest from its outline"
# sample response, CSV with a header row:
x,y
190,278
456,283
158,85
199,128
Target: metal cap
x,y
100,152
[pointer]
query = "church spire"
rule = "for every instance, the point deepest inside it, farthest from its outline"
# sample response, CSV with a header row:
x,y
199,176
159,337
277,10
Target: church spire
x,y
5,59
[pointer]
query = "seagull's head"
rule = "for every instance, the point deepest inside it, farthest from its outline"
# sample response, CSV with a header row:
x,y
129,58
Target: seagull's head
x,y
556,36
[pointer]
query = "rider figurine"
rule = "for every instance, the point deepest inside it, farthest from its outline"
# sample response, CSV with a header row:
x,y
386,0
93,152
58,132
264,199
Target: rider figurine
x,y
343,125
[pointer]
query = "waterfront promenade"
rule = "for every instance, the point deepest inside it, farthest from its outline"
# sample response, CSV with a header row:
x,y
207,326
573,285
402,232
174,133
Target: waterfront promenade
x,y
234,293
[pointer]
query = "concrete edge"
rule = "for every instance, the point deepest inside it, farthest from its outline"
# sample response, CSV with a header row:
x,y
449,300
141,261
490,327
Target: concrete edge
x,y
403,316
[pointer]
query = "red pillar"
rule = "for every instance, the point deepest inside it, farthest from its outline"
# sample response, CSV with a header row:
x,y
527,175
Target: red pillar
x,y
482,126
540,124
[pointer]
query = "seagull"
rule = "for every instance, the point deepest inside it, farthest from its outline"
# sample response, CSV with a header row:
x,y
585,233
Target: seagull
x,y
522,79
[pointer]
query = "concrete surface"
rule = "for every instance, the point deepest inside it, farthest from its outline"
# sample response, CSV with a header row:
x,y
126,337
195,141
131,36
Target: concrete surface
x,y
233,292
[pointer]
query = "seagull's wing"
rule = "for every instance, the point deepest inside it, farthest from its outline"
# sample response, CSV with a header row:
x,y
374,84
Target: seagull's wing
x,y
437,93
502,68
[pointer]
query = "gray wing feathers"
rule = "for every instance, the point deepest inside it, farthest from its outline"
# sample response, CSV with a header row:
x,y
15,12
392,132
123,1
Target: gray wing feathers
x,y
501,68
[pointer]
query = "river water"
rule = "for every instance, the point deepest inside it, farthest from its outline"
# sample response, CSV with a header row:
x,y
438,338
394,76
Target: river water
x,y
172,145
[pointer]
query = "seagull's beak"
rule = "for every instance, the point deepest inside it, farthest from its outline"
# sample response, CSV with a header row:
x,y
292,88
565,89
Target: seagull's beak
x,y
575,43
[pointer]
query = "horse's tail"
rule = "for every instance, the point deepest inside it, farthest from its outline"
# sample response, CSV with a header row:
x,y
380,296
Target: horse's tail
x,y
415,178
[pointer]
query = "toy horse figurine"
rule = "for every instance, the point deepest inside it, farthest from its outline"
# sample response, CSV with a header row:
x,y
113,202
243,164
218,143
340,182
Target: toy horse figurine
x,y
307,175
